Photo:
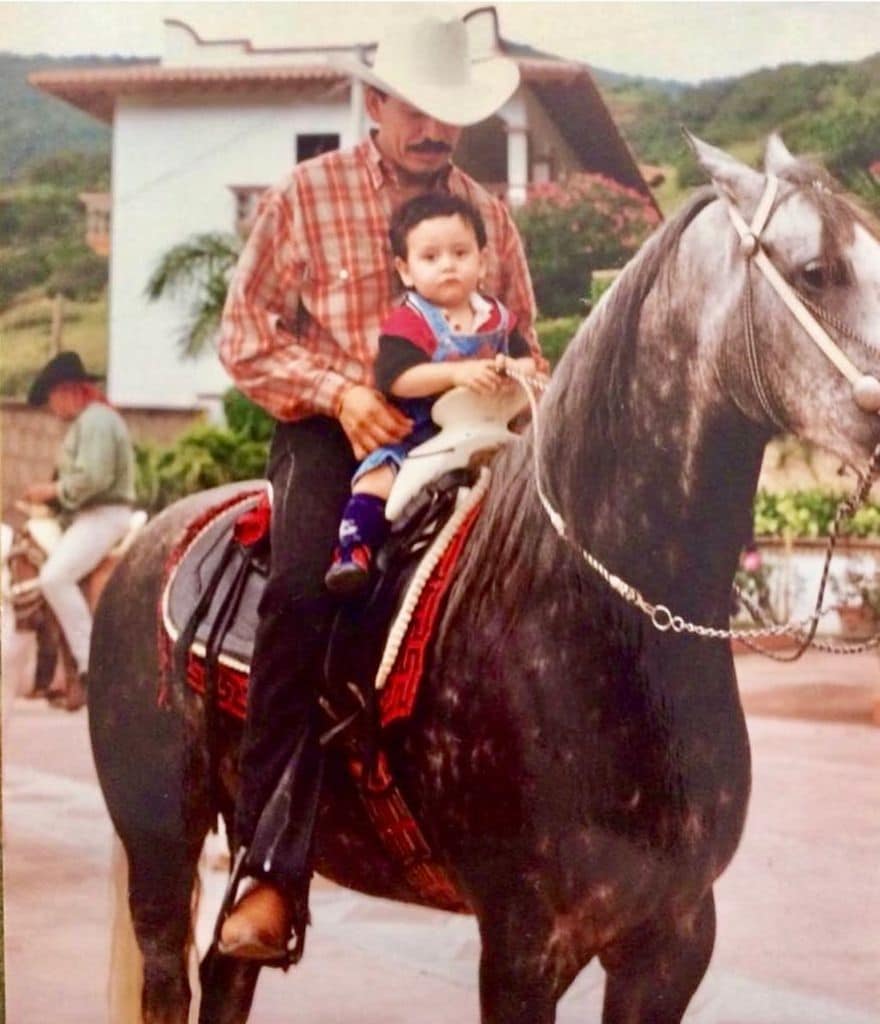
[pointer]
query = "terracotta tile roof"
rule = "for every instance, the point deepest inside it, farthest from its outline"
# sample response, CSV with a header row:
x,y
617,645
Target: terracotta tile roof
x,y
94,90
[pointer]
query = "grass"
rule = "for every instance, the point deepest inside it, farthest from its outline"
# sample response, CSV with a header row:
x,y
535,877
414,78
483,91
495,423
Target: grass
x,y
26,338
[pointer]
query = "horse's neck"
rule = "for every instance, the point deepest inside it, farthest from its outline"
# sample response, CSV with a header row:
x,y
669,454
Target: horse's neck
x,y
668,504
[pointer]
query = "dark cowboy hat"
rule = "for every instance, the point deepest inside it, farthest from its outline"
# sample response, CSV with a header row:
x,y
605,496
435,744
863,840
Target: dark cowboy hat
x,y
65,367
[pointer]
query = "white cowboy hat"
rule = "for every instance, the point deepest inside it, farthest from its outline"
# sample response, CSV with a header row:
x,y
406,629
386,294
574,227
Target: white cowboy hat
x,y
427,63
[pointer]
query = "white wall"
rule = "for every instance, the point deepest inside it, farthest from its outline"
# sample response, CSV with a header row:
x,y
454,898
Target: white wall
x,y
172,163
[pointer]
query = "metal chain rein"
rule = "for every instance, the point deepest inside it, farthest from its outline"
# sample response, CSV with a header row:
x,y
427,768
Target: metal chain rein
x,y
660,616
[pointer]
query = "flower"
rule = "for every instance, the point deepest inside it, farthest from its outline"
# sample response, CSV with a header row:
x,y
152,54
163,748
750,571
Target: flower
x,y
751,560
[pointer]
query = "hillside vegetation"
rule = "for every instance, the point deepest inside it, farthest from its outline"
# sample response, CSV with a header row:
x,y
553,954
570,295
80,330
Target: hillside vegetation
x,y
34,125
831,111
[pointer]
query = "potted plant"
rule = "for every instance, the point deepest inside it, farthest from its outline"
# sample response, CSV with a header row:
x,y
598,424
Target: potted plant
x,y
858,602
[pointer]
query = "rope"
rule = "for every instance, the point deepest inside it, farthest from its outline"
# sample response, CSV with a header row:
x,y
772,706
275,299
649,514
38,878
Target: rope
x,y
423,573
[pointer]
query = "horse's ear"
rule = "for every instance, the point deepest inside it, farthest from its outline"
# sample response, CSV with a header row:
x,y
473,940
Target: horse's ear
x,y
734,179
777,158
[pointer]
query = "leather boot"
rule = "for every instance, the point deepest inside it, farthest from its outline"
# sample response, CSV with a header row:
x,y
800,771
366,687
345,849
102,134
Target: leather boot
x,y
259,927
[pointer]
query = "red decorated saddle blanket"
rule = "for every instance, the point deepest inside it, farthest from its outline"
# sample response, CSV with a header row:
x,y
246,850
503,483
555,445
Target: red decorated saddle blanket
x,y
214,579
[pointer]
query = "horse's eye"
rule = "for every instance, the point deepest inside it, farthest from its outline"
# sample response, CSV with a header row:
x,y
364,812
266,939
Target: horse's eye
x,y
814,275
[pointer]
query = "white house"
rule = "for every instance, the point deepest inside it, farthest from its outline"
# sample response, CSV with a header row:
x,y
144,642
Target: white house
x,y
199,133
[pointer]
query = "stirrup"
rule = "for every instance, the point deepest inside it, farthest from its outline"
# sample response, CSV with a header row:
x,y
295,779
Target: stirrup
x,y
300,917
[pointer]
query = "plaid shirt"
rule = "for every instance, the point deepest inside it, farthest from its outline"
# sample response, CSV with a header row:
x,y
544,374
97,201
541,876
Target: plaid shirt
x,y
316,280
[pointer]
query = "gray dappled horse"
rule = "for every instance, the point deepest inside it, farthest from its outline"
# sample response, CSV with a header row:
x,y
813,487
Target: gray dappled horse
x,y
583,775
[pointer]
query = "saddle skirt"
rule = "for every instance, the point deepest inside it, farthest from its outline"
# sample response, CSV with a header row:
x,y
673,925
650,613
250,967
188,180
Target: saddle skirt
x,y
202,572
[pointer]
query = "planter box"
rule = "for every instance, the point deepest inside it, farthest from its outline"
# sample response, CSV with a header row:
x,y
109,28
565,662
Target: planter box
x,y
795,569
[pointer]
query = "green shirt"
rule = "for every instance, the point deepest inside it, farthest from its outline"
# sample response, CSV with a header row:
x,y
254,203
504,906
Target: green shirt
x,y
96,462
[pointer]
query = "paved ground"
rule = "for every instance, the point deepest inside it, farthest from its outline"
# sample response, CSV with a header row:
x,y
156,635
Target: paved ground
x,y
799,909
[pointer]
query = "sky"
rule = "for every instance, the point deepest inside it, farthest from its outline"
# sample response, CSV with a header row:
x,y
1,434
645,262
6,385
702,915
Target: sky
x,y
687,41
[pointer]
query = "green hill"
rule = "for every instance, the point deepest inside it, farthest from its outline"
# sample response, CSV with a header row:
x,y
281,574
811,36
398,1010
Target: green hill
x,y
829,110
34,125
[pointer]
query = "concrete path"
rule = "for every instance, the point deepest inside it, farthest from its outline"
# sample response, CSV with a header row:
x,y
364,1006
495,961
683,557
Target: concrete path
x,y
798,910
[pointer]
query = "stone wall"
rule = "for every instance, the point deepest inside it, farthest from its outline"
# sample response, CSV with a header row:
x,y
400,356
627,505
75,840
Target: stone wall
x,y
30,439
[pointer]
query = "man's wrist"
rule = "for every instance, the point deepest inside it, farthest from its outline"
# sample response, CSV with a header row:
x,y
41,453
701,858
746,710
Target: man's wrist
x,y
340,398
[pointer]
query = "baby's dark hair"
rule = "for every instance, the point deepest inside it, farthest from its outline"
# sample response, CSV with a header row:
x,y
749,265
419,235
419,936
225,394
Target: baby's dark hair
x,y
426,207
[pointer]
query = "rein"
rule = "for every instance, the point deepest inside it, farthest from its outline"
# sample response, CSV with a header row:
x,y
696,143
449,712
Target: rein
x,y
866,394
661,617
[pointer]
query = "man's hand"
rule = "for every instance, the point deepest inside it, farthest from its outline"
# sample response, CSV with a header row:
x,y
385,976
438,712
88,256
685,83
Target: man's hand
x,y
369,421
40,494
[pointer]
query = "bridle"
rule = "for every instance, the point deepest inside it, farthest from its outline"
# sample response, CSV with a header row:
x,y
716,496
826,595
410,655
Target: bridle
x,y
866,388
866,394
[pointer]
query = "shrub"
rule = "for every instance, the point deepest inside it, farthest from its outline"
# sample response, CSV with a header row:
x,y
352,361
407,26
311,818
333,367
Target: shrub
x,y
573,227
206,456
77,272
554,335
72,169
810,513
20,270
245,418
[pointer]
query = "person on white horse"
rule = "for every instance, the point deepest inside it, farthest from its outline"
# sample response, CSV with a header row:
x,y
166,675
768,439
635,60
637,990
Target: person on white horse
x,y
93,491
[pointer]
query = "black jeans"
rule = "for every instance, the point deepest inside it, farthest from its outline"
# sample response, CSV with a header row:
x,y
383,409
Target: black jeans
x,y
310,466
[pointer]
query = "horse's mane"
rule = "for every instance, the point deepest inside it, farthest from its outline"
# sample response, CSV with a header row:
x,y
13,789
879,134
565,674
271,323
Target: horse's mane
x,y
595,373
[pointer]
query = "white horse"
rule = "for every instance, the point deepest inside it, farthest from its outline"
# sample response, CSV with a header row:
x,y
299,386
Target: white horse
x,y
19,649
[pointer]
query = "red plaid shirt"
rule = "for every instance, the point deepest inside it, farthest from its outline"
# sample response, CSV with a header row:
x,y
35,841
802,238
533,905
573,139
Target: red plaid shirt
x,y
316,280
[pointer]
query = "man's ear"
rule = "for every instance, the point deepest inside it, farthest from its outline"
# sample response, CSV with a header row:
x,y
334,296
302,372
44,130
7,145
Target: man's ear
x,y
373,100
402,269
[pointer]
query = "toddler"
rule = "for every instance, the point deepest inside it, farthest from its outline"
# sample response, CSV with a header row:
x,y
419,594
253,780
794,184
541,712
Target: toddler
x,y
445,334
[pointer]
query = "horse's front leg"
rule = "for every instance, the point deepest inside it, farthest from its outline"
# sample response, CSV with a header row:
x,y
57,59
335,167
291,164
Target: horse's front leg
x,y
652,976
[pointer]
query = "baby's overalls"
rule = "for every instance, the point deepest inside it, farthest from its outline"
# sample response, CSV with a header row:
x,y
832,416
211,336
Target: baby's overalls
x,y
450,346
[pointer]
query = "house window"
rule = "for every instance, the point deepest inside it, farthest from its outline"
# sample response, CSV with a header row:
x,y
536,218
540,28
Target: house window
x,y
308,146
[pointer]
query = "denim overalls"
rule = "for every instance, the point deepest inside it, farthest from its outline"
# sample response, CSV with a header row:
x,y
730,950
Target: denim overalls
x,y
484,345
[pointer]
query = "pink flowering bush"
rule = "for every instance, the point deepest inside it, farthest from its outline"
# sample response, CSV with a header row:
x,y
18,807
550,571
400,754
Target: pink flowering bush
x,y
570,228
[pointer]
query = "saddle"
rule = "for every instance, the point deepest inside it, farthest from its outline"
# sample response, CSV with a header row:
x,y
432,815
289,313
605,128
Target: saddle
x,y
211,597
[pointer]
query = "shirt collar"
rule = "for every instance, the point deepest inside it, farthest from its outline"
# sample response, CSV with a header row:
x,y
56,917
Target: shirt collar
x,y
483,310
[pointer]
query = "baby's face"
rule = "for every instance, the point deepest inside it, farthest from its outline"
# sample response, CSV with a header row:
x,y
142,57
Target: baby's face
x,y
444,262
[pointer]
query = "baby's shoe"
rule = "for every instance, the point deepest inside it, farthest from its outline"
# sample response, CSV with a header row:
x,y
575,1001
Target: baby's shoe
x,y
349,571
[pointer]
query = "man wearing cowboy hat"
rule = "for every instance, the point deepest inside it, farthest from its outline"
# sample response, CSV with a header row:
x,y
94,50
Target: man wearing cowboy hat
x,y
299,336
94,489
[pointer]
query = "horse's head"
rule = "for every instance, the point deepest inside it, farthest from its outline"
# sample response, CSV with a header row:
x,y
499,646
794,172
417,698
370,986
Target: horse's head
x,y
804,266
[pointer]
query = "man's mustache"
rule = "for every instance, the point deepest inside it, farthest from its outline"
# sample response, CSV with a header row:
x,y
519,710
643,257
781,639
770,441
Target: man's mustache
x,y
430,146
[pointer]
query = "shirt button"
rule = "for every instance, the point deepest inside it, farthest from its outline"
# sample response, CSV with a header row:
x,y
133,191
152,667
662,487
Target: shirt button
x,y
343,274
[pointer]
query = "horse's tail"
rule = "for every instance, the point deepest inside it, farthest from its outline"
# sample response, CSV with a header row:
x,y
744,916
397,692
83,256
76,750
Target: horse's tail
x,y
126,962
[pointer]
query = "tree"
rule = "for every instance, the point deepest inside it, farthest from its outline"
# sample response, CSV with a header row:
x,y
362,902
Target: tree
x,y
201,267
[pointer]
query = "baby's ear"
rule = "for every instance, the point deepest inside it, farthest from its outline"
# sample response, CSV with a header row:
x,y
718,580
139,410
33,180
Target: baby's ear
x,y
403,271
484,264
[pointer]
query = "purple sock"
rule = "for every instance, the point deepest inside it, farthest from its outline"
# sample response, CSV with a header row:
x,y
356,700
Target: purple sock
x,y
363,522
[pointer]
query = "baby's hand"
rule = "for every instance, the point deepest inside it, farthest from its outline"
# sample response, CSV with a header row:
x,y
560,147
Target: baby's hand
x,y
479,375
